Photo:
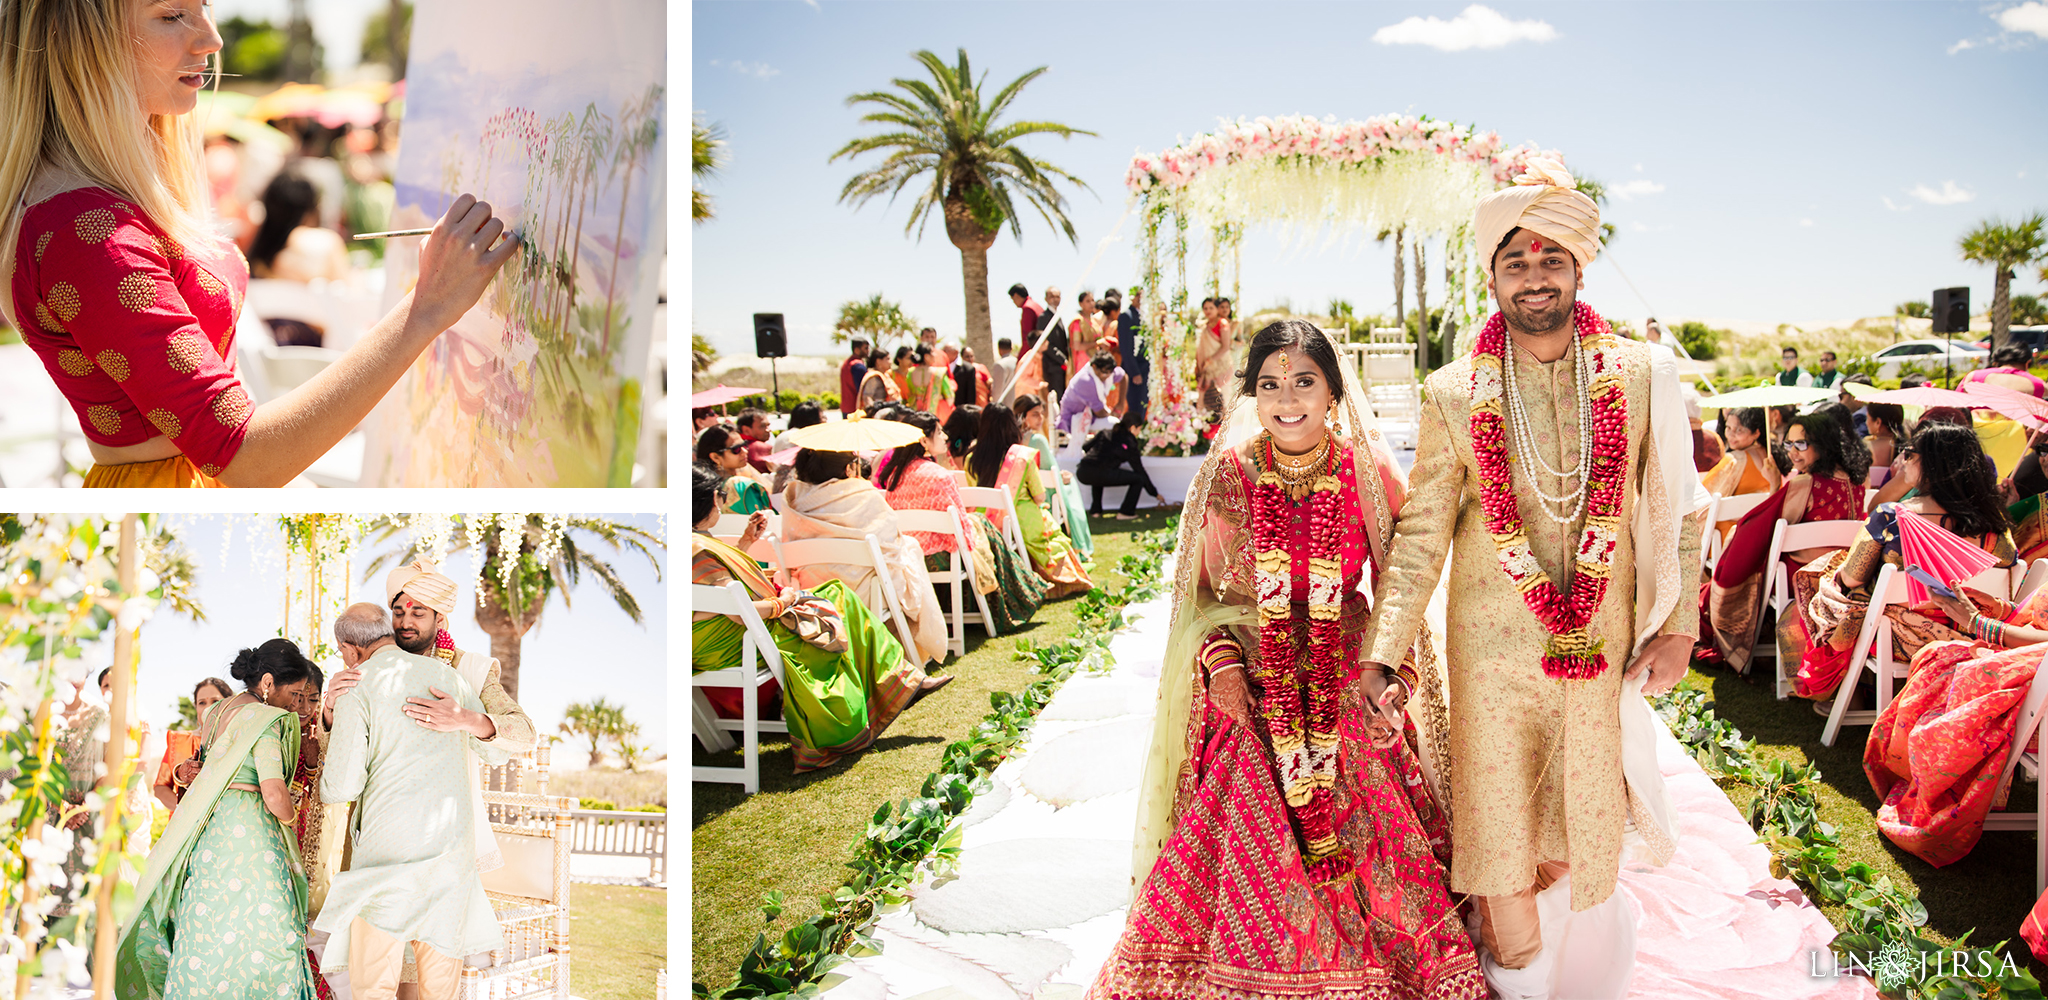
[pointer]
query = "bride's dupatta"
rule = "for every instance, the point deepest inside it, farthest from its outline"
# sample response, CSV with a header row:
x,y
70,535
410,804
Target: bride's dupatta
x,y
143,959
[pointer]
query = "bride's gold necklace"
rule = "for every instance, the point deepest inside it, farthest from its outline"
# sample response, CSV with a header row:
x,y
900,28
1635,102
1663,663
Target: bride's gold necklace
x,y
1298,473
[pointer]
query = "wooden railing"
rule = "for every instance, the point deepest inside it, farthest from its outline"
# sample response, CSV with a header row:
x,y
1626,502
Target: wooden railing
x,y
619,833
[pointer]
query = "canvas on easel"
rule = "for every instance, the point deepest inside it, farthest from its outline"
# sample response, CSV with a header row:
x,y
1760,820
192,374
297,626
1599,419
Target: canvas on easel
x,y
553,115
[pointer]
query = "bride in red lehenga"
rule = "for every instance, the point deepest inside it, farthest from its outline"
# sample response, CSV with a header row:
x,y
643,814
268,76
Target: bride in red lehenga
x,y
1290,843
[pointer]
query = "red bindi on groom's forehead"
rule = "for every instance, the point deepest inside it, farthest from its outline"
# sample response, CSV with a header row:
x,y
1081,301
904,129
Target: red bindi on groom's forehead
x,y
1536,246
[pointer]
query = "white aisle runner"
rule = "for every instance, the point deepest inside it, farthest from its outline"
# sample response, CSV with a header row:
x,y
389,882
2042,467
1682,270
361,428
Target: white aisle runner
x,y
1043,884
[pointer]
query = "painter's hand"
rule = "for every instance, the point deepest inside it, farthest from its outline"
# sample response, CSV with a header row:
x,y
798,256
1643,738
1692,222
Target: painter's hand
x,y
457,262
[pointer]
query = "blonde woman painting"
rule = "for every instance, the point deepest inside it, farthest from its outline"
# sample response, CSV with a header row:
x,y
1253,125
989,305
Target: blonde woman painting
x,y
118,281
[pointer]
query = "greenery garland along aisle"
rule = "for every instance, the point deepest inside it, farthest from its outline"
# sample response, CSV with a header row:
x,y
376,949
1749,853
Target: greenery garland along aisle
x,y
1881,933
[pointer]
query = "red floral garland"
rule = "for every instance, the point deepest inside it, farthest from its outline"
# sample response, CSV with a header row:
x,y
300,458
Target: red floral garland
x,y
1572,652
1302,725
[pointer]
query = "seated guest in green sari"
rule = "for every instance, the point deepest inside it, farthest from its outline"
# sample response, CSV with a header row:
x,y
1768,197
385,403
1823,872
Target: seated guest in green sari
x,y
223,900
725,450
844,676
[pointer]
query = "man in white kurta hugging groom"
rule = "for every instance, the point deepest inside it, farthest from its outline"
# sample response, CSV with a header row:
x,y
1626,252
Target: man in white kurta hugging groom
x,y
412,877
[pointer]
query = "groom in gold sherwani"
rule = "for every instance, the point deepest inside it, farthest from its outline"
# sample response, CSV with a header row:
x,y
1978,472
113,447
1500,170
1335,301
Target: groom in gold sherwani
x,y
1537,786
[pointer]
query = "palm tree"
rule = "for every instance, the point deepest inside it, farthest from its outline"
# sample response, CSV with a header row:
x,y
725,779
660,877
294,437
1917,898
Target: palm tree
x,y
2003,247
596,722
548,560
950,144
871,320
707,154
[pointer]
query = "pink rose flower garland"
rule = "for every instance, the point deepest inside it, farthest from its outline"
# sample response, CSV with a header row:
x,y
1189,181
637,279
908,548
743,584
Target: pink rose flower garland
x,y
1572,651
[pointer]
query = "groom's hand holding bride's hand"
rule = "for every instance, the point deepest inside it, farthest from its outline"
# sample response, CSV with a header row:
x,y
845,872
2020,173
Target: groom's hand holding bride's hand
x,y
1666,658
1384,692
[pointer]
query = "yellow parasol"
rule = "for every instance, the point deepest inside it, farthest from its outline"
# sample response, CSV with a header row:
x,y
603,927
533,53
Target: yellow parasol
x,y
855,433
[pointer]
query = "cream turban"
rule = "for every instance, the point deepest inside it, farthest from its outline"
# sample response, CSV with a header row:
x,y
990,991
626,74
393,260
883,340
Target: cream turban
x,y
423,582
1544,201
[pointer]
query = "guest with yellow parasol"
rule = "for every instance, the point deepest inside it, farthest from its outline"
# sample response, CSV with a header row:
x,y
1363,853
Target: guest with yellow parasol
x,y
831,497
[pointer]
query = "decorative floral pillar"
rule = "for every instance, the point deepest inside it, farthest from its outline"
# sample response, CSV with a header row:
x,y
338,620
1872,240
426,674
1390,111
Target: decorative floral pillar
x,y
317,548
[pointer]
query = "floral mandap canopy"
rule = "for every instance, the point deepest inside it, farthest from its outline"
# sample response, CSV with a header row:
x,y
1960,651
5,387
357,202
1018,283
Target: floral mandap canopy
x,y
1385,173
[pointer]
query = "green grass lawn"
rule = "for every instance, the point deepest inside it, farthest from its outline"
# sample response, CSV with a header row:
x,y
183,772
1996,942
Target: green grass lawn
x,y
1991,889
794,834
618,940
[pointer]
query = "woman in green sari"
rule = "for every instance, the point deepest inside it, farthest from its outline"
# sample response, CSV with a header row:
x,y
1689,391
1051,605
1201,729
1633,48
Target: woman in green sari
x,y
223,908
1032,415
1000,458
844,676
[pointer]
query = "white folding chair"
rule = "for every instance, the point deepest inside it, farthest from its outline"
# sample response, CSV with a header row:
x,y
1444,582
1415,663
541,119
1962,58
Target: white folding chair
x,y
1056,500
2031,581
2018,757
959,476
1873,649
1726,509
862,552
959,572
732,599
1002,508
1792,538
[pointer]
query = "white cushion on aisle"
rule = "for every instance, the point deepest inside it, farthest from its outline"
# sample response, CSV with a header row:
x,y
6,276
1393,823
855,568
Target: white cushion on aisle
x,y
1031,884
1088,763
1023,961
988,803
1091,698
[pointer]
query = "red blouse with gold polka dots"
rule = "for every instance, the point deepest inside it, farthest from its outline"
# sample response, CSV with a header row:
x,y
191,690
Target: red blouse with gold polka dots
x,y
137,331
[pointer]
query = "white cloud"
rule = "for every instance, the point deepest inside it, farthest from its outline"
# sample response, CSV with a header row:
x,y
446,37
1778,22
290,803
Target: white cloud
x,y
813,4
1475,27
2031,16
1637,227
1806,223
1961,45
745,68
1639,168
1895,206
1630,189
1949,194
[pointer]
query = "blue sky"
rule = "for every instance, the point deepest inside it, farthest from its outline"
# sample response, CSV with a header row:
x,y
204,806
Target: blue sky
x,y
573,654
1781,162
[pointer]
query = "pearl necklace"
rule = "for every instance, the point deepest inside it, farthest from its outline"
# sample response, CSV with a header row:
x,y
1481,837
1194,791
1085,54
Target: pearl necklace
x,y
1532,460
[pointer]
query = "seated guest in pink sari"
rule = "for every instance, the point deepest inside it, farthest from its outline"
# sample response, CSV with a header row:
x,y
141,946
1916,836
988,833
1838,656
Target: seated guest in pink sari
x,y
1948,481
913,479
1938,750
1825,486
830,499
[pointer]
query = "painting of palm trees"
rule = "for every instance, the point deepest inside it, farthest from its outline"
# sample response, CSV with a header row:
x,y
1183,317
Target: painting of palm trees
x,y
544,382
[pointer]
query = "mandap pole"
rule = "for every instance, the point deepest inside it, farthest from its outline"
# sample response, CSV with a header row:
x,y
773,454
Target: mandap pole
x,y
105,929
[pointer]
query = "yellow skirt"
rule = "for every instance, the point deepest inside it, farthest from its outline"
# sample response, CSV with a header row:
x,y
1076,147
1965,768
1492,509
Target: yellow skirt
x,y
176,472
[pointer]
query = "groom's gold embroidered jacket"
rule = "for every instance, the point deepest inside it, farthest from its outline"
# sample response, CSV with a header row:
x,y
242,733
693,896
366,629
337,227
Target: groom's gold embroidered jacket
x,y
1538,769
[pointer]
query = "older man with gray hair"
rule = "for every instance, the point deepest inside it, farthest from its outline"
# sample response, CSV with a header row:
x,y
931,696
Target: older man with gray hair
x,y
413,876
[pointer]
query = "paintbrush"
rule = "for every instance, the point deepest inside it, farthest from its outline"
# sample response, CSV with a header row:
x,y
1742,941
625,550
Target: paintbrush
x,y
395,232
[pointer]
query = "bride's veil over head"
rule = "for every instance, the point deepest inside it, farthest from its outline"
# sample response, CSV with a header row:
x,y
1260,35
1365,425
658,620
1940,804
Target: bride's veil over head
x,y
1196,613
